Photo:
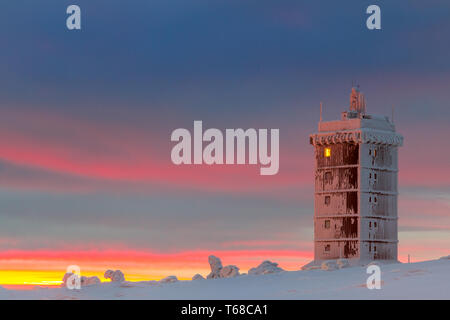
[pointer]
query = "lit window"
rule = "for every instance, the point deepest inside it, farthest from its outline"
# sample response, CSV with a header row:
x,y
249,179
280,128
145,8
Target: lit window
x,y
327,224
327,152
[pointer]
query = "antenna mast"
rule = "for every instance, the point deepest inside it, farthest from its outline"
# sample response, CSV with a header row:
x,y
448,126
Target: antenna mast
x,y
321,111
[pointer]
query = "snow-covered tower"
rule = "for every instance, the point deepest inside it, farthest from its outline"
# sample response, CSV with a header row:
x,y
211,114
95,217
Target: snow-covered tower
x,y
355,210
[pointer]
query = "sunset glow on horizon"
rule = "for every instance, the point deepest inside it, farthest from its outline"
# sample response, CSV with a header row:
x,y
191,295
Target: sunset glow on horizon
x,y
47,267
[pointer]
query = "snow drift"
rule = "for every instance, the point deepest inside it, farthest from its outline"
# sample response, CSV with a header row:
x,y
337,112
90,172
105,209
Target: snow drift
x,y
421,280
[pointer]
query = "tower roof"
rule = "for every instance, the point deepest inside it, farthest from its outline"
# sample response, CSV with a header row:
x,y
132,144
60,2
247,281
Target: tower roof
x,y
356,126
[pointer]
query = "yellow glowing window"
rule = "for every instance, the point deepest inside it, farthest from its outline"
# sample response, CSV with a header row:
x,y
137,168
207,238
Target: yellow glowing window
x,y
327,152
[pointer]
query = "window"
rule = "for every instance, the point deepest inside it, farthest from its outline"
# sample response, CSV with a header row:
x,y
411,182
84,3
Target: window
x,y
370,224
327,152
370,199
375,199
375,152
327,200
327,248
327,224
328,177
375,224
375,176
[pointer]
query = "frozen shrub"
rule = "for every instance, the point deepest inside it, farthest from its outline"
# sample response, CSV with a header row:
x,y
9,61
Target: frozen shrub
x,y
229,272
197,277
115,276
265,267
169,279
216,267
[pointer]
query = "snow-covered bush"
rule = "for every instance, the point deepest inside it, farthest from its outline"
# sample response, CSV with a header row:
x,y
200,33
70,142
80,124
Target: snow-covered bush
x,y
197,277
216,266
169,279
217,271
342,263
265,267
329,265
84,281
229,272
87,281
115,276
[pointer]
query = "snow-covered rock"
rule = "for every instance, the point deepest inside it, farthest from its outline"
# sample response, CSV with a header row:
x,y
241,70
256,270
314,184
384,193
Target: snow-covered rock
x,y
115,276
84,281
197,277
229,272
65,278
265,267
216,267
169,279
329,265
87,281
217,271
310,266
342,263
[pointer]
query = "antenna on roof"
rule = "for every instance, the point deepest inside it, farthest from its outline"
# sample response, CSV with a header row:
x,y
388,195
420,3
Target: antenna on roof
x,y
320,111
393,108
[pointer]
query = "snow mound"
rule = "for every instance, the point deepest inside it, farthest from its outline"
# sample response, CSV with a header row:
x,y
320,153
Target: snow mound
x,y
115,276
229,272
88,281
65,278
342,263
329,265
217,271
169,279
265,267
84,281
197,277
216,266
419,280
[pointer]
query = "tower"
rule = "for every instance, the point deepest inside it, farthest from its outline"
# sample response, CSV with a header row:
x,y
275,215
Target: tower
x,y
355,203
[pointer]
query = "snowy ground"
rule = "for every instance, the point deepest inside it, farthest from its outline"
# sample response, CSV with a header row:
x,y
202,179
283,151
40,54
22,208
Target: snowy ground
x,y
423,280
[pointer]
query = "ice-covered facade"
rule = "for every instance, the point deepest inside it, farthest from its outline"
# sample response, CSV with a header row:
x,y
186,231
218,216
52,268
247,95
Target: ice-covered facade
x,y
356,166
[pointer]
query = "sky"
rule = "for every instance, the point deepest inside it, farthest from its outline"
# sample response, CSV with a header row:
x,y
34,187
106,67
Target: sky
x,y
86,118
